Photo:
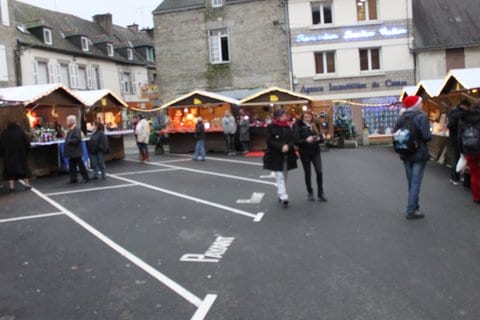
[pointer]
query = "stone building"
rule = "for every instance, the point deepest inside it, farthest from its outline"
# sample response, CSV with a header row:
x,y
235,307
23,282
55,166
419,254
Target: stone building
x,y
225,46
7,44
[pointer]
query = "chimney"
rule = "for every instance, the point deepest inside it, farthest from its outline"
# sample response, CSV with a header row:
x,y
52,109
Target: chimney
x,y
133,27
105,21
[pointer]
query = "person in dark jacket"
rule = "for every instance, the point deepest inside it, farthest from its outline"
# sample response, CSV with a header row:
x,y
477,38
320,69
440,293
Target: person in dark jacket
x,y
280,154
308,138
97,147
453,120
467,119
200,136
416,162
15,146
244,131
74,150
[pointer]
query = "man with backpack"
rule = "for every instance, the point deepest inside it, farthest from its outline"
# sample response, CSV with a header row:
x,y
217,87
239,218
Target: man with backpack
x,y
453,120
469,144
412,131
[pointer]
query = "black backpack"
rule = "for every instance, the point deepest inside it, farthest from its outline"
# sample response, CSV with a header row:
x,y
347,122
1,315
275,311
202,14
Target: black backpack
x,y
405,137
471,139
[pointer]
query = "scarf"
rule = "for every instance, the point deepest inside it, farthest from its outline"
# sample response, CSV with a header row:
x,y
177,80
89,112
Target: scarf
x,y
280,123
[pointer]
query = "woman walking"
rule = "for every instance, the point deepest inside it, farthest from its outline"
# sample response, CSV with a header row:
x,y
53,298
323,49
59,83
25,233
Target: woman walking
x,y
14,146
97,147
308,138
280,155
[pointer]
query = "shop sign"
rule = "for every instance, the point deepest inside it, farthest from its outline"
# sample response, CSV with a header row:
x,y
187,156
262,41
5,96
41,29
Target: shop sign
x,y
354,86
150,92
213,254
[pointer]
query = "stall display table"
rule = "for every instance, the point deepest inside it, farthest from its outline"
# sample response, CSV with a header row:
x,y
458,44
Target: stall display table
x,y
184,142
117,148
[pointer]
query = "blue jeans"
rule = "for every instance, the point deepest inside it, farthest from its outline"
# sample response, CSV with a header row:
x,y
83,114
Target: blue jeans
x,y
414,171
98,163
199,150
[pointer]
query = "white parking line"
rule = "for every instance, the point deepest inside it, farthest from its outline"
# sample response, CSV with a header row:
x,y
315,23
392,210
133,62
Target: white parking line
x,y
144,171
37,216
222,159
181,195
89,189
173,161
202,305
229,176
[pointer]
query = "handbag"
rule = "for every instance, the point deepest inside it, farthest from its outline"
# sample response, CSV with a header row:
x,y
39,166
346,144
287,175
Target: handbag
x,y
461,164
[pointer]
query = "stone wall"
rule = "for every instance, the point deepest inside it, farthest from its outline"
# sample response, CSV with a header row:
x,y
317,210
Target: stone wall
x,y
258,48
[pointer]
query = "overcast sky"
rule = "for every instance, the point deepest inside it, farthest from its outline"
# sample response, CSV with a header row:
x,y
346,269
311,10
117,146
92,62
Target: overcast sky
x,y
137,11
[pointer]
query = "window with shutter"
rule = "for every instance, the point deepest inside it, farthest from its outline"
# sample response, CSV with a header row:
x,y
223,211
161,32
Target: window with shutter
x,y
3,64
5,13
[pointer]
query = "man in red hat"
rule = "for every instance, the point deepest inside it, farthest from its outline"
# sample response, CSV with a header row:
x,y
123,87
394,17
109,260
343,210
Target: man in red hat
x,y
416,160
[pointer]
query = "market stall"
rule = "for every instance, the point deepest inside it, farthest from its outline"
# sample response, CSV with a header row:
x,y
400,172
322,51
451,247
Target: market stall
x,y
408,91
105,106
182,116
43,110
260,107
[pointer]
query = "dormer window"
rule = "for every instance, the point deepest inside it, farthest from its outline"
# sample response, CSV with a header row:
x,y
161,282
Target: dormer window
x,y
84,41
47,36
217,3
129,54
110,49
150,55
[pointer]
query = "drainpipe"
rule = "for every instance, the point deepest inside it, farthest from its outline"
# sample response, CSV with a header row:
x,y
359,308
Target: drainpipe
x,y
289,45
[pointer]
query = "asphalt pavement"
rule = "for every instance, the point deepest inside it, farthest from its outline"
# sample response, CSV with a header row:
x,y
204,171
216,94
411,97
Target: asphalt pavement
x,y
182,239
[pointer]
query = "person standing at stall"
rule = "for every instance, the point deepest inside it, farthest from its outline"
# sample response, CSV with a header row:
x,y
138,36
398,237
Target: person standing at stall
x,y
200,137
469,144
308,138
414,161
97,147
14,147
280,154
229,126
134,125
143,135
244,130
453,120
74,150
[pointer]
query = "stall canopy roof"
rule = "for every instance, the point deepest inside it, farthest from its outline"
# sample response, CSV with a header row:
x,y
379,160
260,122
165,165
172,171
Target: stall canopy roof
x,y
275,95
431,87
29,94
466,78
91,97
408,91
199,97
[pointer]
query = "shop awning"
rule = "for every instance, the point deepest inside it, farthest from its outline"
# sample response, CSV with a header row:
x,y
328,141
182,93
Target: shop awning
x,y
199,98
407,91
461,79
34,93
429,88
100,98
275,95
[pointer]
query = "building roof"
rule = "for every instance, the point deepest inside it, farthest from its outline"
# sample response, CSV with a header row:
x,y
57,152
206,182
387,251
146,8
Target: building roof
x,y
270,96
197,97
431,87
91,97
64,26
30,94
408,91
458,79
178,5
446,24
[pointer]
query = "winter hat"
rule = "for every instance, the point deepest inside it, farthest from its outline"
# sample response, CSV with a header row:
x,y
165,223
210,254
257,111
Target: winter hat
x,y
278,113
411,102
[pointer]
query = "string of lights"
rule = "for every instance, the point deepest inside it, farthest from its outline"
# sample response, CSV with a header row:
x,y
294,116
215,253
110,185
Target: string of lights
x,y
357,104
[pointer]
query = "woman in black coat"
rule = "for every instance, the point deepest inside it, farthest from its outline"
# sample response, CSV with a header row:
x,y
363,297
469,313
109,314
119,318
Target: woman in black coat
x,y
97,147
14,146
308,138
280,154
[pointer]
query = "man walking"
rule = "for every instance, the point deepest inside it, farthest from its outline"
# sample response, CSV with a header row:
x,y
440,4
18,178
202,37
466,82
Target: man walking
x,y
454,116
74,150
414,161
229,126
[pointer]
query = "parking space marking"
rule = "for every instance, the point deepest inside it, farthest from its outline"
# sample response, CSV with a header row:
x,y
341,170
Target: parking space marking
x,y
144,171
229,176
256,217
90,189
203,306
223,160
36,216
173,161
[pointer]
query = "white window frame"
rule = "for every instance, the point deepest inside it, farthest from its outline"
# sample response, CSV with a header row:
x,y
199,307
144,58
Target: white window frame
x,y
369,55
67,80
84,42
36,73
149,53
47,36
5,13
325,63
129,54
3,63
366,4
217,3
110,50
215,45
54,75
125,83
74,75
320,5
